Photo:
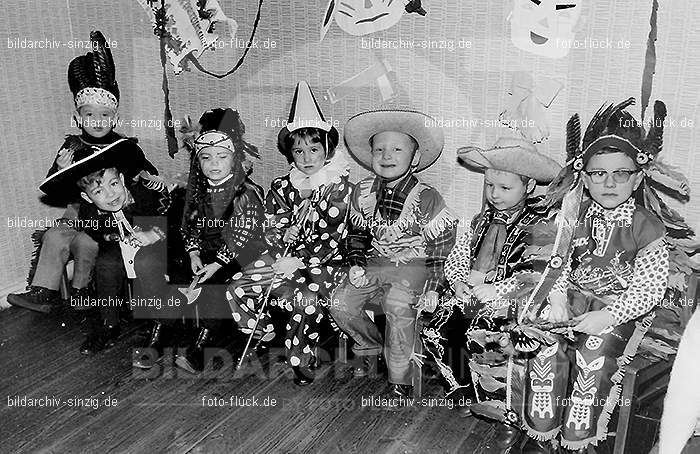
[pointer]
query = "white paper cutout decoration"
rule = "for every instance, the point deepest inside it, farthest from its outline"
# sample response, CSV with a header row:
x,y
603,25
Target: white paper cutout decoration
x,y
361,17
377,74
187,32
544,27
525,107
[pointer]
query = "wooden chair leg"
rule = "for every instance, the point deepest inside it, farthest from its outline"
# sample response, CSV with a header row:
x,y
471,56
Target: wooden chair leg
x,y
63,287
625,411
417,371
343,348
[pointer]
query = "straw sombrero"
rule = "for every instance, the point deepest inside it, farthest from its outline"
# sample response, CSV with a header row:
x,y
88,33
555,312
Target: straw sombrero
x,y
511,155
362,127
123,154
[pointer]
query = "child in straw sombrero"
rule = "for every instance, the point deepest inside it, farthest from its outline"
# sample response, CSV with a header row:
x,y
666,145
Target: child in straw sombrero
x,y
488,260
399,236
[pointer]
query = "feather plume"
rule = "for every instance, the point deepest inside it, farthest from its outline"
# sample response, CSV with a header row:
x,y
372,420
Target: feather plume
x,y
103,64
600,121
653,142
78,75
672,180
573,137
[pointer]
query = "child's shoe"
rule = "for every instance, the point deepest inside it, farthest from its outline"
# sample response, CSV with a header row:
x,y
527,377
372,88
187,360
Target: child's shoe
x,y
80,299
304,375
368,366
533,446
100,339
145,357
397,397
193,359
38,299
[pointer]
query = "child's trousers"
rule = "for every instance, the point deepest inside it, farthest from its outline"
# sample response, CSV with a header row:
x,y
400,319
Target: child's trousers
x,y
57,245
396,288
303,296
592,367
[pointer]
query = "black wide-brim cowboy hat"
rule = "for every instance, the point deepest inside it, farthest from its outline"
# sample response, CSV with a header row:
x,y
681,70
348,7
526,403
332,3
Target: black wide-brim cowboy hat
x,y
122,154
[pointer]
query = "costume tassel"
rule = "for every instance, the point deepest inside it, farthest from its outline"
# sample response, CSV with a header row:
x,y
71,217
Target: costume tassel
x,y
169,129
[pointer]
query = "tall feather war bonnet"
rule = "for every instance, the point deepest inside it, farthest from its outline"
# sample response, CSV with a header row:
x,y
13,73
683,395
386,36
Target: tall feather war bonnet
x,y
613,127
91,77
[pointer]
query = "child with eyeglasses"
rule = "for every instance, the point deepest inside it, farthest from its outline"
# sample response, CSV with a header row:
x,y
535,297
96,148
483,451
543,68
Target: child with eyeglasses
x,y
608,270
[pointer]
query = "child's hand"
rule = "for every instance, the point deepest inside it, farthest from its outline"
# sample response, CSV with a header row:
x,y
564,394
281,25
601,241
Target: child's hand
x,y
462,290
208,271
485,292
291,234
428,301
476,278
287,266
195,262
357,276
147,238
594,322
64,159
558,312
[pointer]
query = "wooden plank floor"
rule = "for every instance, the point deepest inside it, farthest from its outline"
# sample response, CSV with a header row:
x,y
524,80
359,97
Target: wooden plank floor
x,y
168,410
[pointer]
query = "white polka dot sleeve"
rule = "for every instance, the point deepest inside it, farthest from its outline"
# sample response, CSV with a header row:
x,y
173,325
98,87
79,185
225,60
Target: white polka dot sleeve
x,y
505,286
647,286
457,265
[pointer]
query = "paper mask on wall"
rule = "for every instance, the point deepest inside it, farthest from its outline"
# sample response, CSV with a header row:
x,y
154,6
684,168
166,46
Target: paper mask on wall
x,y
187,32
361,17
526,104
544,27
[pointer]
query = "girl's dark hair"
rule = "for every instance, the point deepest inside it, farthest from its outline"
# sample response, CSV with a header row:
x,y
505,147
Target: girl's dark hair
x,y
312,135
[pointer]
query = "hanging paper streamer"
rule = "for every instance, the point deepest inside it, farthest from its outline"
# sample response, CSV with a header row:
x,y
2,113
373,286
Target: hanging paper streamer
x,y
377,74
526,104
649,59
544,27
187,28
362,17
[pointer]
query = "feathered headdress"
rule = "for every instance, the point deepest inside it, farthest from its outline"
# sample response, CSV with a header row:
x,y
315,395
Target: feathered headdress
x,y
613,127
91,77
217,128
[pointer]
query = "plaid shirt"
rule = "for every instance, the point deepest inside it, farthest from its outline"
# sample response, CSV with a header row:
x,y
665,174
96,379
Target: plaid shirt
x,y
390,203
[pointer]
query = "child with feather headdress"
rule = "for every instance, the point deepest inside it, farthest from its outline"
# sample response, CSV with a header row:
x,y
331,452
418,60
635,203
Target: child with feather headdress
x,y
92,81
608,269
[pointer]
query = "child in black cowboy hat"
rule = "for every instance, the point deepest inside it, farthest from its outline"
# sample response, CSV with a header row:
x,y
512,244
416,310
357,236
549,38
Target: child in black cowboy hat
x,y
92,81
306,212
113,199
399,235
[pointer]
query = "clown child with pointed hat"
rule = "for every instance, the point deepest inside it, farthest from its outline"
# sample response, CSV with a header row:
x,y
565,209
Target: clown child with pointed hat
x,y
399,235
306,213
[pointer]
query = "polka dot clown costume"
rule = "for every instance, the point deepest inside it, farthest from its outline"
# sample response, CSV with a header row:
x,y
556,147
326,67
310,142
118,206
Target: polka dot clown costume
x,y
306,213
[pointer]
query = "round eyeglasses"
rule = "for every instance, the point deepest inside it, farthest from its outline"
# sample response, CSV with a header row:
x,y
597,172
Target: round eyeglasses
x,y
618,176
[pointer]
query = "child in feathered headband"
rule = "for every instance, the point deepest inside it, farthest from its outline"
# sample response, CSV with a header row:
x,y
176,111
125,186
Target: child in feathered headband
x,y
608,270
306,211
222,225
92,81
